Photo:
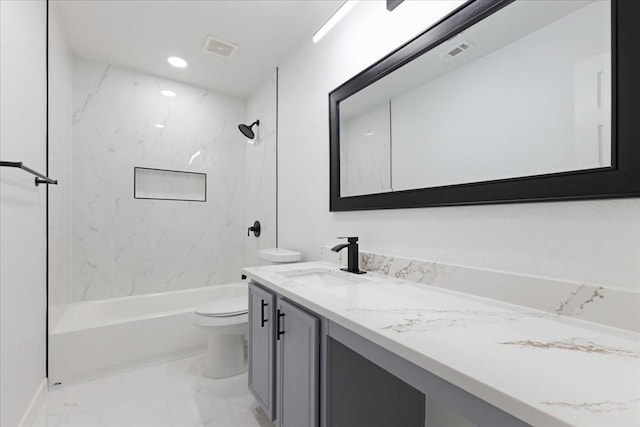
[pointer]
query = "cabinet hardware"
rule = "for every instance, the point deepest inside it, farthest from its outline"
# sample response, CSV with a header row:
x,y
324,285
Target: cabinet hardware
x,y
278,323
262,319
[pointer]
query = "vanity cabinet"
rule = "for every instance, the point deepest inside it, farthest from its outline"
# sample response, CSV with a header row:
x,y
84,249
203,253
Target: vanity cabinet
x,y
297,370
306,370
392,353
283,359
262,347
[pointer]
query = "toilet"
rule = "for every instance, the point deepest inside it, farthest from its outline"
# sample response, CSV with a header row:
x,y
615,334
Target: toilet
x,y
226,322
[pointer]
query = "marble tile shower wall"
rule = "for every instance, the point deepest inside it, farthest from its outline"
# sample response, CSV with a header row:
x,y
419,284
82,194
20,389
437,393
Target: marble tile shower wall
x,y
124,246
599,303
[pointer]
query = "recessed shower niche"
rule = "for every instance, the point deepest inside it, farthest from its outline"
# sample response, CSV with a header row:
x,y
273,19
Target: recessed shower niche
x,y
163,184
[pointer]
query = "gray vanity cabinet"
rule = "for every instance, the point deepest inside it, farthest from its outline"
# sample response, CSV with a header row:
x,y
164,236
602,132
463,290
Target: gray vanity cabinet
x,y
262,347
297,366
283,359
307,370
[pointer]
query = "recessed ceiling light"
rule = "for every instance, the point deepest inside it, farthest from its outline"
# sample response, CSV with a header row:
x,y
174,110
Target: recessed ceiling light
x,y
159,126
177,62
168,93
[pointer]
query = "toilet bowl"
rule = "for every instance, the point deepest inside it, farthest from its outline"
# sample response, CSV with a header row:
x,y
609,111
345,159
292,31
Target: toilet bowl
x,y
226,322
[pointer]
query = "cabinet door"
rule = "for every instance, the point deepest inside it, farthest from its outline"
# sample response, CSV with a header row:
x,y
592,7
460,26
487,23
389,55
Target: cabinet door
x,y
261,347
298,348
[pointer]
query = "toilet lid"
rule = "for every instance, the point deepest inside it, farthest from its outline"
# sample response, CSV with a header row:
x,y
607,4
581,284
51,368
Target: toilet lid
x,y
224,307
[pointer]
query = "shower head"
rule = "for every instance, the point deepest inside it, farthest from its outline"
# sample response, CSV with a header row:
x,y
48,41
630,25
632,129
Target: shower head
x,y
247,130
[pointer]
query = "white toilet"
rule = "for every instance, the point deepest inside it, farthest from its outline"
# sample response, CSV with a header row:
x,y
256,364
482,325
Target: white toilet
x,y
226,322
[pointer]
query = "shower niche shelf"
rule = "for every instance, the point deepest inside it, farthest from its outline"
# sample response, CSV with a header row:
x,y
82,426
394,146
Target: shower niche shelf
x,y
165,184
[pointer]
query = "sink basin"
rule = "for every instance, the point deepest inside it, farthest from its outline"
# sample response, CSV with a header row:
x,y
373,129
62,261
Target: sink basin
x,y
323,277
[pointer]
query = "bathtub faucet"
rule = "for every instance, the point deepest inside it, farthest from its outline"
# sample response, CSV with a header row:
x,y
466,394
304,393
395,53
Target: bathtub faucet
x,y
352,257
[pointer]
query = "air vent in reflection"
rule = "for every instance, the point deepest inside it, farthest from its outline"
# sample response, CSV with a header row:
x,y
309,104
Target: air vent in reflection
x,y
461,47
219,47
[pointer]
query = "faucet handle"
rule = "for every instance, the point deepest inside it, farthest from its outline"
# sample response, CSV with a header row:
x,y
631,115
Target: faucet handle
x,y
255,228
350,239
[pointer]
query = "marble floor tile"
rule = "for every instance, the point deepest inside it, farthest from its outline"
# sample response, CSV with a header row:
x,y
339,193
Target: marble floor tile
x,y
169,394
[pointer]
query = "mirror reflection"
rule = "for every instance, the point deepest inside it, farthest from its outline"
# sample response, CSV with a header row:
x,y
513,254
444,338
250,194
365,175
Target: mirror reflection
x,y
496,101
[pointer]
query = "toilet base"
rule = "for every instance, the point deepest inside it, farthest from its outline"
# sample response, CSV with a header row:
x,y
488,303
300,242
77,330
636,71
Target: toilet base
x,y
226,356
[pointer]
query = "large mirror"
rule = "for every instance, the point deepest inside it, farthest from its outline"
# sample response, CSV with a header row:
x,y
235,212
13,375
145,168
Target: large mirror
x,y
502,101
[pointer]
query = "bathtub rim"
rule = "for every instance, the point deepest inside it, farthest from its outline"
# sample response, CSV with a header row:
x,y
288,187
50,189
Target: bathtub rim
x,y
57,329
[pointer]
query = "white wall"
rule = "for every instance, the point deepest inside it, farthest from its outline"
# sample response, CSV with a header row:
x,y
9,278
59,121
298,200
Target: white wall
x,y
125,246
60,167
260,181
591,241
22,207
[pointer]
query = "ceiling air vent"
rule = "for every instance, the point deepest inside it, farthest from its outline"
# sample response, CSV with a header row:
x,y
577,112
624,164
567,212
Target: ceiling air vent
x,y
457,50
219,47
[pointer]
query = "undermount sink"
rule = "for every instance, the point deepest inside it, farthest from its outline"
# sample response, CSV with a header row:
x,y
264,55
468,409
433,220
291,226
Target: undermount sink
x,y
323,277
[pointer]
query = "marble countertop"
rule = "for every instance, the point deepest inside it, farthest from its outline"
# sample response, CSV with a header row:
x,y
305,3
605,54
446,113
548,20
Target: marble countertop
x,y
540,367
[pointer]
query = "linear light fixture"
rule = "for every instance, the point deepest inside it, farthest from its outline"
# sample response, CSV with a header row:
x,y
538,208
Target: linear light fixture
x,y
333,20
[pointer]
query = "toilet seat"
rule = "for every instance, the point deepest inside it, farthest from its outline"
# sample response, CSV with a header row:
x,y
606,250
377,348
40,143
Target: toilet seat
x,y
236,324
224,307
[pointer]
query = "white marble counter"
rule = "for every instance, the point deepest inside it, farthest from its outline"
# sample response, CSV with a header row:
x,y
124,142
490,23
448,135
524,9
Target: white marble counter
x,y
540,367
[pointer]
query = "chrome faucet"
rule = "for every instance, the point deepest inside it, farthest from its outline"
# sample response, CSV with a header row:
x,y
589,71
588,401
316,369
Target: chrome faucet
x,y
352,257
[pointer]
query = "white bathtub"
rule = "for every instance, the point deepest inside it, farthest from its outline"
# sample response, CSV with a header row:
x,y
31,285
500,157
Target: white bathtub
x,y
97,337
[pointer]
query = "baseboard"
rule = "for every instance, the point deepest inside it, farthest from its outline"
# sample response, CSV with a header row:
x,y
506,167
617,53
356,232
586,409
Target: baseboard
x,y
31,413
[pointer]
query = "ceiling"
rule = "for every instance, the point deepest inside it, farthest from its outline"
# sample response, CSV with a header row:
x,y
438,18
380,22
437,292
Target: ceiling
x,y
141,34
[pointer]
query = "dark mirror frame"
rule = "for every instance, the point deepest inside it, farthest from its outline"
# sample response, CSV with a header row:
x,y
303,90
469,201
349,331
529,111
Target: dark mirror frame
x,y
622,179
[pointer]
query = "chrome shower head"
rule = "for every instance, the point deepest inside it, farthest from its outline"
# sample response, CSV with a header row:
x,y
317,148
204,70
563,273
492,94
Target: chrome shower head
x,y
247,129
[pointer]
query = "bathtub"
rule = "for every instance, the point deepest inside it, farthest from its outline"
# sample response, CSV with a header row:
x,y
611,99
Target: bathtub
x,y
97,337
